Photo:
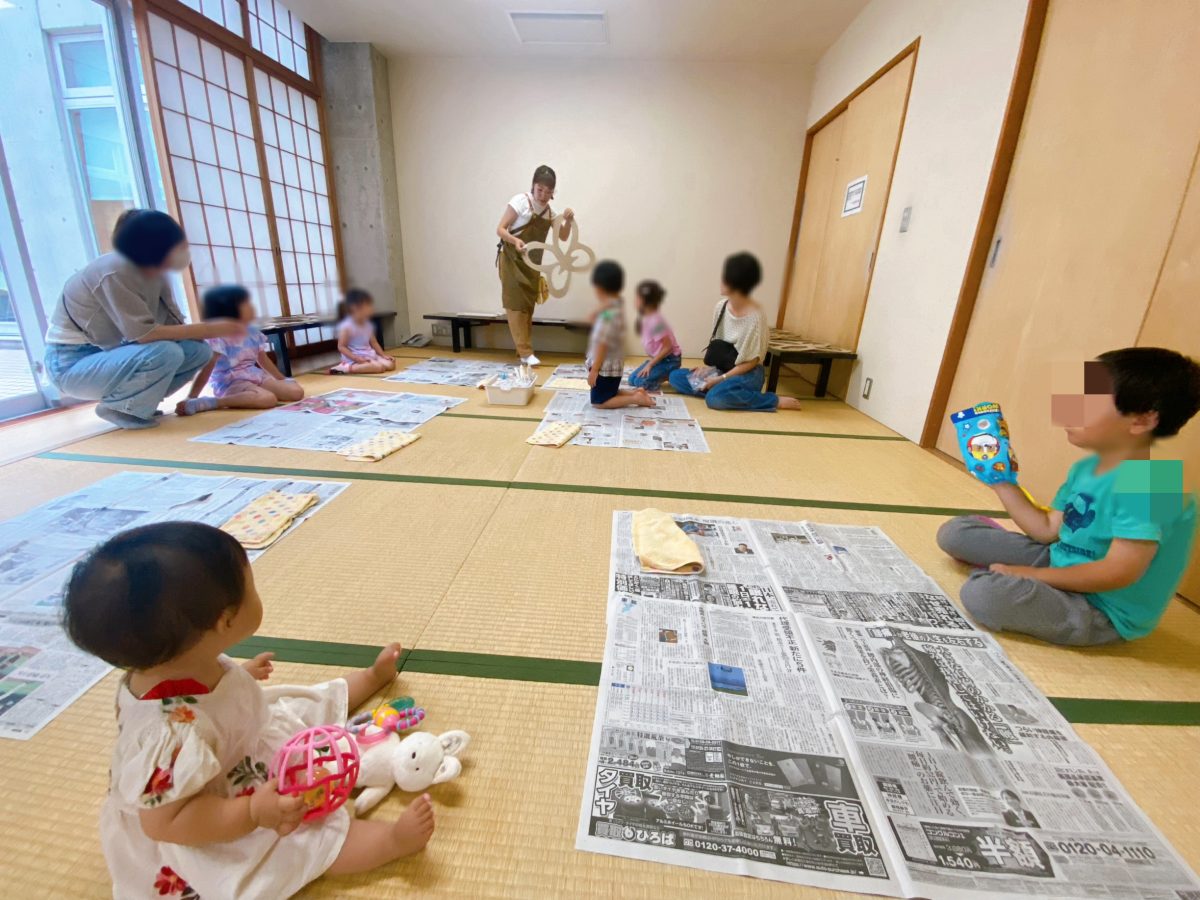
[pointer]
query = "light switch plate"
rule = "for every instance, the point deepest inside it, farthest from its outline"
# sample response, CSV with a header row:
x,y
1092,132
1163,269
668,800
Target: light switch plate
x,y
905,218
867,385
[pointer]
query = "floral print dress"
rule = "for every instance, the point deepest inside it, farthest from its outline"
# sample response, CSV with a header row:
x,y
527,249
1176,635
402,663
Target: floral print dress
x,y
179,741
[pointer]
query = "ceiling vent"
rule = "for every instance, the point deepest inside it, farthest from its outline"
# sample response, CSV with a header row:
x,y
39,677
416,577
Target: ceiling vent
x,y
560,27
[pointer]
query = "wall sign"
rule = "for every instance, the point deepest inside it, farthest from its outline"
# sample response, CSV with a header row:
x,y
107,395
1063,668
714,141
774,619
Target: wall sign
x,y
856,192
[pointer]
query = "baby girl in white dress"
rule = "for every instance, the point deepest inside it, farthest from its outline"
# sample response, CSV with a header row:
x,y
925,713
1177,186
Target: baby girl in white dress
x,y
190,811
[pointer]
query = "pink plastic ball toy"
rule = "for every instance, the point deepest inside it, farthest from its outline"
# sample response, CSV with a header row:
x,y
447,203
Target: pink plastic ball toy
x,y
321,765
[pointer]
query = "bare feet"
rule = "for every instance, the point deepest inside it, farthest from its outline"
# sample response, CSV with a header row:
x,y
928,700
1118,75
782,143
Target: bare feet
x,y
643,398
412,831
384,669
789,403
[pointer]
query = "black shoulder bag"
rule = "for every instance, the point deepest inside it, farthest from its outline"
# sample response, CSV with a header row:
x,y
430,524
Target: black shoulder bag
x,y
721,355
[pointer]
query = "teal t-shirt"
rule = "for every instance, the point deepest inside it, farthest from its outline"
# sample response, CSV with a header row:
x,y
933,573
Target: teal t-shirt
x,y
1139,500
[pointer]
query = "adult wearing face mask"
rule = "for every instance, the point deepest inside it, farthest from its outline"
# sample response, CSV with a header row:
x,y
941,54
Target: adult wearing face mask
x,y
116,335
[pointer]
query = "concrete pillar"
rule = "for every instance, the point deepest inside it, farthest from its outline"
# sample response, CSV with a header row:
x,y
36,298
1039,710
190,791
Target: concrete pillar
x,y
358,118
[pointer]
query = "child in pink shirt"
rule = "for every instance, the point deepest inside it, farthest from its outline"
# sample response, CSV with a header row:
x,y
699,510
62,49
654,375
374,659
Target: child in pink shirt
x,y
658,340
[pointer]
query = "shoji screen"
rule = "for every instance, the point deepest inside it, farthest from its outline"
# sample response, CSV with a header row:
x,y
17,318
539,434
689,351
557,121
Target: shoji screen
x,y
209,130
300,194
279,34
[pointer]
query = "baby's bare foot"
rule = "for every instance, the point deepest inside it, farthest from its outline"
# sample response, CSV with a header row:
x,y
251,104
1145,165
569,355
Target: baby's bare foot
x,y
412,831
384,668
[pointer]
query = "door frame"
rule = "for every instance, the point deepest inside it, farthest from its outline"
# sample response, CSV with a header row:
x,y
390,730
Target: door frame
x,y
837,110
989,218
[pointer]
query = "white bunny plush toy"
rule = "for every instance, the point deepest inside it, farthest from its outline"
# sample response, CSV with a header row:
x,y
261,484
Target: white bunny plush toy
x,y
412,764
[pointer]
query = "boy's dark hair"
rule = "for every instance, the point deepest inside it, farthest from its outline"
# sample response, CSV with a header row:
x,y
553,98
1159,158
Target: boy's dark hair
x,y
544,175
225,301
1153,379
147,595
742,272
354,297
608,276
146,237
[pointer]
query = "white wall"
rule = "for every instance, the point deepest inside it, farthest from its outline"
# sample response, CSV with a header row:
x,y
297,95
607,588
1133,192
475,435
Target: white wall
x,y
670,167
961,85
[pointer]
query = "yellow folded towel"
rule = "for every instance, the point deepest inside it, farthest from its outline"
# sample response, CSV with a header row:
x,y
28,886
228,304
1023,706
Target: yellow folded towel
x,y
264,519
661,545
553,435
376,447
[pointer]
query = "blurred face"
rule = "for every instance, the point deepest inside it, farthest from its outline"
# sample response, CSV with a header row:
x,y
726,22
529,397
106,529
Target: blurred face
x,y
362,311
1084,407
247,312
542,193
179,258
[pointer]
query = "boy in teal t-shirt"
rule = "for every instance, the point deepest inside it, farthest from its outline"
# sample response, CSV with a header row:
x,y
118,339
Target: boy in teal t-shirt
x,y
1103,563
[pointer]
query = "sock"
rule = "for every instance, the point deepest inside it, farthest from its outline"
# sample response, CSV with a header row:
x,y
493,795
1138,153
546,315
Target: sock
x,y
194,405
124,419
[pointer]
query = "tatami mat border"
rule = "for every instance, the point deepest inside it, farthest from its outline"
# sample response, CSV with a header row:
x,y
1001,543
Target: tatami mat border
x,y
1078,710
565,488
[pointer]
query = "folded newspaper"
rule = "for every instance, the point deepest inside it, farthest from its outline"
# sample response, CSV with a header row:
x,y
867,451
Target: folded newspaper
x,y
813,709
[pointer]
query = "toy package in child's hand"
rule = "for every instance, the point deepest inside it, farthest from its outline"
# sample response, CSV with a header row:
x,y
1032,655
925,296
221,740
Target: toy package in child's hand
x,y
983,441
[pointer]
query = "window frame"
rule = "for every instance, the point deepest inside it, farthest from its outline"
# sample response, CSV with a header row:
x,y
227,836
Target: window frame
x,y
184,17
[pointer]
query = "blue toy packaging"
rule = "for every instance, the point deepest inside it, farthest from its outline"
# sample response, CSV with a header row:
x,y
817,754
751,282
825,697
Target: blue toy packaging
x,y
983,442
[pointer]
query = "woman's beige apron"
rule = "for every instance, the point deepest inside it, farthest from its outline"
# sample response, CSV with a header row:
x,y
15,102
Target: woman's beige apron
x,y
519,283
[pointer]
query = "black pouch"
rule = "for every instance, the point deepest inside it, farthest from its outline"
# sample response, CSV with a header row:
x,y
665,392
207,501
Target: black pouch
x,y
721,355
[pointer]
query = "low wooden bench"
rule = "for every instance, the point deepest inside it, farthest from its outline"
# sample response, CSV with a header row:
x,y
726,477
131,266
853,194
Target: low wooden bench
x,y
789,347
461,324
278,327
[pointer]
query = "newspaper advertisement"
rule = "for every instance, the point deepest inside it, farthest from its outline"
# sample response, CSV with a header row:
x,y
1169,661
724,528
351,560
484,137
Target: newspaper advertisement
x,y
41,671
332,421
666,426
826,646
444,370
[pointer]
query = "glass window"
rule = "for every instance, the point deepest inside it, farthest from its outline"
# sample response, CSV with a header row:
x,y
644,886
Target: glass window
x,y
85,64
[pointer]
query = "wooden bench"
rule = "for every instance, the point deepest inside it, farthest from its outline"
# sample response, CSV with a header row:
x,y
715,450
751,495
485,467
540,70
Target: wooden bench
x,y
789,347
461,324
278,327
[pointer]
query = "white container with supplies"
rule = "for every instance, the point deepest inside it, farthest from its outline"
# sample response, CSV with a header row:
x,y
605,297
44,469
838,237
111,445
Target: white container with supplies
x,y
515,387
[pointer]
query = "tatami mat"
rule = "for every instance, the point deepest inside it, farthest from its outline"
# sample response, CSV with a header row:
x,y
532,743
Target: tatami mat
x,y
548,600
521,571
462,448
505,827
369,567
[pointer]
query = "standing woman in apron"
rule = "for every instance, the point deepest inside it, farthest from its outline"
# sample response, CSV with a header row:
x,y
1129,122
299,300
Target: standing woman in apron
x,y
527,218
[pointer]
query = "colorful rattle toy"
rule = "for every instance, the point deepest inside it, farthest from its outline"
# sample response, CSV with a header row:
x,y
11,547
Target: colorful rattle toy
x,y
321,765
983,441
393,717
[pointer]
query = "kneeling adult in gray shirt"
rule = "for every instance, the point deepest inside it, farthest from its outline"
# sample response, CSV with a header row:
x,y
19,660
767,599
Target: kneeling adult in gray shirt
x,y
116,335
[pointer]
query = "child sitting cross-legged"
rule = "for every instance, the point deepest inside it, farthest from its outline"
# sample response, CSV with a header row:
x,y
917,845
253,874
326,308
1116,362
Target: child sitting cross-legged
x,y
240,371
606,343
1101,565
190,809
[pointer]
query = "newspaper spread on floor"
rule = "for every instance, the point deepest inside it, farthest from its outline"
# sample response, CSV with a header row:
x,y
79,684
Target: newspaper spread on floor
x,y
444,370
666,426
574,376
332,421
814,709
41,671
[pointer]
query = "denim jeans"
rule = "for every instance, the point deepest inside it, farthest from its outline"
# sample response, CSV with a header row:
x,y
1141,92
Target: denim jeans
x,y
651,378
739,392
132,379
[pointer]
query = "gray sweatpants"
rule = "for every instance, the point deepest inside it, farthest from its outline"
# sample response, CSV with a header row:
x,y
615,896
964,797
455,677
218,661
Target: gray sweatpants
x,y
1004,603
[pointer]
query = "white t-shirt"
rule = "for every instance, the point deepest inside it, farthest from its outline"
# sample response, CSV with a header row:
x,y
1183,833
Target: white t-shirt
x,y
748,332
526,207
